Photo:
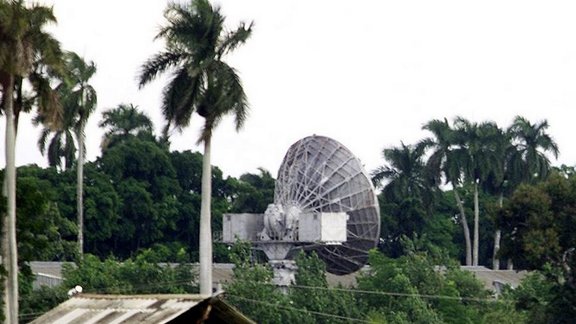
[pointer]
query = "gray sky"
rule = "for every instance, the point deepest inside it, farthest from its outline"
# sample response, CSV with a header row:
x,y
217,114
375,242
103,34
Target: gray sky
x,y
367,73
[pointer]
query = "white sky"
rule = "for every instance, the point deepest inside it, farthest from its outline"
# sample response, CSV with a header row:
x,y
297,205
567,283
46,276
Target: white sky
x,y
367,73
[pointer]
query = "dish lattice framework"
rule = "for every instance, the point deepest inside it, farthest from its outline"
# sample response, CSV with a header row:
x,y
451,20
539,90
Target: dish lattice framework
x,y
318,174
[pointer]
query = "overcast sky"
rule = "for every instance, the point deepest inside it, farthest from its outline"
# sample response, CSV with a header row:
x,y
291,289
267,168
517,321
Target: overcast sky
x,y
366,73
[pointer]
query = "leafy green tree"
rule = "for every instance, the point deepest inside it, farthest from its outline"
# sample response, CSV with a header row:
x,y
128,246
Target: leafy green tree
x,y
532,296
24,49
311,293
188,166
103,215
388,276
252,192
141,160
148,189
196,42
539,222
413,290
35,302
43,233
137,275
252,292
443,231
529,208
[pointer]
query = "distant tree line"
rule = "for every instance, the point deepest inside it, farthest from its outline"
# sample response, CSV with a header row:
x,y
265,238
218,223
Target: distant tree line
x,y
462,175
141,198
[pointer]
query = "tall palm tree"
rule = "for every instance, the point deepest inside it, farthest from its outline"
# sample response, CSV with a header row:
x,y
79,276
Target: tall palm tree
x,y
445,163
500,181
479,154
82,99
122,122
196,42
24,49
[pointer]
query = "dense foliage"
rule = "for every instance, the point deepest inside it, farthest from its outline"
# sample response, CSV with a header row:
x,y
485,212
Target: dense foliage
x,y
138,196
415,288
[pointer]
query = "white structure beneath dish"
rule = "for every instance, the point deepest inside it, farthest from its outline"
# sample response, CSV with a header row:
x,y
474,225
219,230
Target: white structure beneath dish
x,y
279,230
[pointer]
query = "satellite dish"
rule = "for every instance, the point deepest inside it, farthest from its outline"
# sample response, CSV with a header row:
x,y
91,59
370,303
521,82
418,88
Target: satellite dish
x,y
320,175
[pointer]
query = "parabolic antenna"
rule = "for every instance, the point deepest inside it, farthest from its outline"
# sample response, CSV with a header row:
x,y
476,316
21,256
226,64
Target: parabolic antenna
x,y
323,201
320,175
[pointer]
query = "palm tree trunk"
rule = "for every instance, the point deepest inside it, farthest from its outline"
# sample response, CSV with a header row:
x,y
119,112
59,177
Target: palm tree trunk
x,y
510,265
9,247
80,191
476,225
495,259
464,227
205,224
497,238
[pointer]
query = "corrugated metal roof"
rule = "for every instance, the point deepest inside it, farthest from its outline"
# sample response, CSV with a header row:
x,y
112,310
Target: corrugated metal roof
x,y
113,309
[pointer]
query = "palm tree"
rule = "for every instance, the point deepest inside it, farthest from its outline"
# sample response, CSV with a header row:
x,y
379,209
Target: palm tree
x,y
57,147
122,122
82,100
445,163
500,181
526,162
58,143
480,153
24,49
408,191
532,143
406,174
201,82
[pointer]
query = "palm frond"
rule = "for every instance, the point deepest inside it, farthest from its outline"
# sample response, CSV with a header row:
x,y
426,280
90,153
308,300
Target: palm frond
x,y
178,98
156,65
234,39
232,97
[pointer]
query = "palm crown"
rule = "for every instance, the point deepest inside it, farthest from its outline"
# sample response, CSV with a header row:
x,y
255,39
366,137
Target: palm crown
x,y
200,81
